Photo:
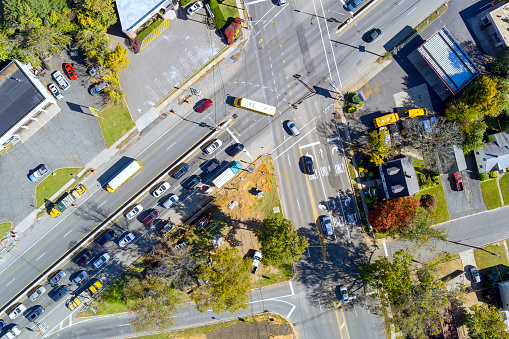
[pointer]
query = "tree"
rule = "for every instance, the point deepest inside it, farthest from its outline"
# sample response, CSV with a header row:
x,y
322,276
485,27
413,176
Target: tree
x,y
227,283
279,241
393,214
428,201
96,15
485,323
501,64
420,231
377,148
154,302
116,60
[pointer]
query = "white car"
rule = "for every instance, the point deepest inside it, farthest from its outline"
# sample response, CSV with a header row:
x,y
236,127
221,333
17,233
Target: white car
x,y
195,7
37,293
344,294
293,129
59,78
161,189
54,90
213,146
101,260
170,201
17,311
126,239
134,212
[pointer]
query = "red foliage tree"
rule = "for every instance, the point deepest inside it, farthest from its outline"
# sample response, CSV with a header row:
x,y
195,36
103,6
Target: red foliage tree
x,y
232,30
393,214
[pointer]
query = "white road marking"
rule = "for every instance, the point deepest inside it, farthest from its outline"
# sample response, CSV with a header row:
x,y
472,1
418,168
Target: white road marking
x,y
291,311
291,287
310,145
289,161
298,205
171,145
124,325
412,10
339,168
102,204
67,233
385,249
10,282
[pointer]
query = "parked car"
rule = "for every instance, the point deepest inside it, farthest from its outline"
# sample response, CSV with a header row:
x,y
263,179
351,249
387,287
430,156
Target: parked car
x,y
206,104
134,211
458,181
161,189
59,292
12,332
212,165
95,69
344,294
2,324
55,278
294,131
281,2
474,274
37,293
373,35
170,201
84,258
35,313
70,71
353,5
126,239
105,237
195,7
99,88
213,146
79,277
103,258
236,150
181,171
38,173
54,90
308,165
20,308
59,78
151,217
192,182
326,225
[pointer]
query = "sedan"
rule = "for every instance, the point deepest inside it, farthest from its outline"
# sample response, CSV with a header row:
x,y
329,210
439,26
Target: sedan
x,y
181,171
206,104
170,201
55,278
34,314
134,211
294,131
373,35
213,146
59,292
308,165
344,294
326,225
85,257
17,311
161,189
37,293
101,260
38,173
353,5
99,88
54,90
195,7
190,184
79,277
126,239
95,69
474,274
151,217
236,150
105,237
70,72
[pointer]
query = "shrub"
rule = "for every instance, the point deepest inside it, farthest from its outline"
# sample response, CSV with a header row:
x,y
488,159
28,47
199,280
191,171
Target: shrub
x,y
369,200
356,99
428,201
370,174
351,109
361,169
135,45
507,169
493,174
483,176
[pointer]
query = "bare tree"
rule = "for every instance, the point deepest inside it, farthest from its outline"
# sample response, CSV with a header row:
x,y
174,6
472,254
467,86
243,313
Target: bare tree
x,y
434,141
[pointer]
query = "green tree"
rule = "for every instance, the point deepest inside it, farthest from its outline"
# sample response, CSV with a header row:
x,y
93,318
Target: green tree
x,y
153,301
501,64
116,60
482,95
96,15
377,148
279,241
485,323
474,135
227,283
420,231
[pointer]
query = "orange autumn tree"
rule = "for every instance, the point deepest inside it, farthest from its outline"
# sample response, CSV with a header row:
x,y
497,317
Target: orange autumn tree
x,y
393,214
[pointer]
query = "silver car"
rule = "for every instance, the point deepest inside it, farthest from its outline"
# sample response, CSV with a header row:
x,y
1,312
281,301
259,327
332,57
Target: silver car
x,y
161,189
213,146
54,90
326,225
101,260
126,239
134,211
170,201
294,131
37,293
17,311
344,294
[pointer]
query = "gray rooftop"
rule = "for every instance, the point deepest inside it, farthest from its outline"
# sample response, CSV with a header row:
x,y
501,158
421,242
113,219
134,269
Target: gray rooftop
x,y
19,96
497,158
131,12
403,180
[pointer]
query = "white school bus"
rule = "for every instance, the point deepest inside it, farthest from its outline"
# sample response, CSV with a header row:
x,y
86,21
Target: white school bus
x,y
121,177
255,106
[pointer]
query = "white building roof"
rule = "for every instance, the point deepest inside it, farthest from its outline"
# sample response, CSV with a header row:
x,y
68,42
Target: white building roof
x,y
133,13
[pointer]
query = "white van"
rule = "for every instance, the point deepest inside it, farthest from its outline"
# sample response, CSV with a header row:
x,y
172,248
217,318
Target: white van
x,y
12,333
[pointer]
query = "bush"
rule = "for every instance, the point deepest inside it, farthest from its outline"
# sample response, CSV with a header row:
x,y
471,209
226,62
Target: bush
x,y
351,109
369,200
493,174
356,99
428,201
370,174
135,45
483,176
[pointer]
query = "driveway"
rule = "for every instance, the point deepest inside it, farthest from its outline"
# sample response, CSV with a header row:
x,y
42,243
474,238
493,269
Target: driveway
x,y
181,50
70,139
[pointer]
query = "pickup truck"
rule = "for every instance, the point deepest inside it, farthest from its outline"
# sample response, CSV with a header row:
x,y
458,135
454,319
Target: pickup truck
x,y
59,78
257,257
458,181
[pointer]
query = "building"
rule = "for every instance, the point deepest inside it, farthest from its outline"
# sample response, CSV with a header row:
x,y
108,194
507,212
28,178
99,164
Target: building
x,y
26,104
399,178
496,25
134,14
495,156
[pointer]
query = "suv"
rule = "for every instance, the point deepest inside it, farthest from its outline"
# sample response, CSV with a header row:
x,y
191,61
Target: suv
x,y
236,150
101,260
213,164
55,278
59,292
38,173
191,183
213,146
34,314
105,237
181,171
344,294
60,80
474,274
353,5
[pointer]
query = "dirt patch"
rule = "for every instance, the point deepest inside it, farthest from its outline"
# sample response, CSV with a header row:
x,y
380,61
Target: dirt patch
x,y
254,330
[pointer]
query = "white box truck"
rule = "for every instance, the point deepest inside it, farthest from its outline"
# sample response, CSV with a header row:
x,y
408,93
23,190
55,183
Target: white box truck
x,y
227,174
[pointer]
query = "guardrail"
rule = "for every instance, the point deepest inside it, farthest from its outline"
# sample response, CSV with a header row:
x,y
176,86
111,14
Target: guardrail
x,y
90,237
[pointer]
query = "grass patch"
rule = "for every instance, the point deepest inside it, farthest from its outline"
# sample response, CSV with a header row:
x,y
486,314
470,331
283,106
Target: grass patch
x,y
351,170
490,194
53,183
438,193
432,17
504,187
4,150
269,278
265,206
486,262
5,227
148,30
223,11
115,121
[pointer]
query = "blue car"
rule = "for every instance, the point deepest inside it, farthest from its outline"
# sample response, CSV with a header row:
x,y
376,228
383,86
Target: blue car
x,y
353,5
38,173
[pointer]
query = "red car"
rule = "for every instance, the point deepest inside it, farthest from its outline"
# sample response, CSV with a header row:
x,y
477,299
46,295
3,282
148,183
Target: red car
x,y
206,104
70,71
84,258
151,217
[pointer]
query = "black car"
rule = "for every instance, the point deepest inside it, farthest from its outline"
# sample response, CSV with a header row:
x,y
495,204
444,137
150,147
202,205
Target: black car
x,y
59,292
105,237
183,170
85,257
308,165
212,165
373,35
236,150
35,313
191,183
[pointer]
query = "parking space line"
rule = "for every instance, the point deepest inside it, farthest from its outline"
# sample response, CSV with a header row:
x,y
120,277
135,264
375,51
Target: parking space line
x,y
193,59
176,71
186,67
45,252
201,53
310,145
169,79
